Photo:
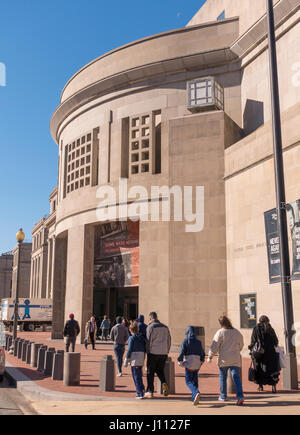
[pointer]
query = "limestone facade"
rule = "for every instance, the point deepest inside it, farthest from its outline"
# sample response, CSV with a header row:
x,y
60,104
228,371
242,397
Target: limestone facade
x,y
125,115
22,268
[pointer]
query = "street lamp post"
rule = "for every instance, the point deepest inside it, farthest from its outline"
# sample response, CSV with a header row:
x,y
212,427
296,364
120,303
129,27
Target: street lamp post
x,y
20,236
290,376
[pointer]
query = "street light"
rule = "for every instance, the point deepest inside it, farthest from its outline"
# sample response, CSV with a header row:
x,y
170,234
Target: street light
x,y
20,236
290,375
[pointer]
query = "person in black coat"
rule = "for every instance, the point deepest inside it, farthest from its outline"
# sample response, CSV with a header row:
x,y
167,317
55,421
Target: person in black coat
x,y
266,363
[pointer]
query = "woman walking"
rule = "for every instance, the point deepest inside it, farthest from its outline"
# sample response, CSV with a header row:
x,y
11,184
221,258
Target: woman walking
x,y
136,357
228,343
264,356
192,357
90,333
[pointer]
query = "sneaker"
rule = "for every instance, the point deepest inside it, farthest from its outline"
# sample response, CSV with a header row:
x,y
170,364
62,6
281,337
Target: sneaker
x,y
139,397
240,402
220,399
165,390
197,399
119,375
148,395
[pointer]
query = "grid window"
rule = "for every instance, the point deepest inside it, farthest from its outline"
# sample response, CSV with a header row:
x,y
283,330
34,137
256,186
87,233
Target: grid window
x,y
205,92
79,160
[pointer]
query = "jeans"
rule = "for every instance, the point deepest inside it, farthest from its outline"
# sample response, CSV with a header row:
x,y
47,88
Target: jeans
x,y
105,334
119,350
235,372
191,380
70,341
155,364
137,375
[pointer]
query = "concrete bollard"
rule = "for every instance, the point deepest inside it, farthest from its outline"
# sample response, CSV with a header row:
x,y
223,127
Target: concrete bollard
x,y
230,383
8,342
58,366
16,346
107,380
71,369
20,345
24,350
34,354
169,375
28,352
41,358
49,361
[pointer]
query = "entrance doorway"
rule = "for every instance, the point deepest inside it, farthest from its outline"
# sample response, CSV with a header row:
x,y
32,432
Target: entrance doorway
x,y
114,302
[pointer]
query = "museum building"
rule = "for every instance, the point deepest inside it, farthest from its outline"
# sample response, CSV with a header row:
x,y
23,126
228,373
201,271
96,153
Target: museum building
x,y
187,107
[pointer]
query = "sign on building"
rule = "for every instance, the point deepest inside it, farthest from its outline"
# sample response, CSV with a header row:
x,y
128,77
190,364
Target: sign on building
x,y
248,311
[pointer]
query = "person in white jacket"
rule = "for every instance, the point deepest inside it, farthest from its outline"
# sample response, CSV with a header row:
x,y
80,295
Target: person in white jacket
x,y
228,343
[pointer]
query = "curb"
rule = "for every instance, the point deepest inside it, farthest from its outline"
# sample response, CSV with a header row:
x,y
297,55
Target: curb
x,y
32,391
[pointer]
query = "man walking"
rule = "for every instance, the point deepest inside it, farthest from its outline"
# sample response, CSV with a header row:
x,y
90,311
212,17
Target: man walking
x,y
158,346
90,333
119,334
71,331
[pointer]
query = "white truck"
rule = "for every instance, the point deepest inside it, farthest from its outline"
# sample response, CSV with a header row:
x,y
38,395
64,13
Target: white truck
x,y
32,313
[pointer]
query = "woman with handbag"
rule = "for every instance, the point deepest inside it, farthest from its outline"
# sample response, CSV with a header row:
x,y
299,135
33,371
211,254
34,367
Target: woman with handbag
x,y
265,359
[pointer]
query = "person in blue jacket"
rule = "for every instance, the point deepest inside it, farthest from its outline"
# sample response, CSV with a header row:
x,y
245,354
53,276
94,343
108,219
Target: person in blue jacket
x,y
192,357
136,357
142,325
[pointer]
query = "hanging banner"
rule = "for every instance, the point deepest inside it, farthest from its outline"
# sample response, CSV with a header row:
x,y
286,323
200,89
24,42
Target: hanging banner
x,y
272,236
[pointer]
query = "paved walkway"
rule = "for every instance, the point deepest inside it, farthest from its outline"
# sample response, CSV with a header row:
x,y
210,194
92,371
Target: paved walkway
x,y
89,399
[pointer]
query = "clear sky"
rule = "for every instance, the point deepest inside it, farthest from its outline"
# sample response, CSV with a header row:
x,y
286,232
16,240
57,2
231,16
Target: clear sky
x,y
42,44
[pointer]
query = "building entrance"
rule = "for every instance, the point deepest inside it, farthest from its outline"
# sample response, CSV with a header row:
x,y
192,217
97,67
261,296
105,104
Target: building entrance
x,y
115,302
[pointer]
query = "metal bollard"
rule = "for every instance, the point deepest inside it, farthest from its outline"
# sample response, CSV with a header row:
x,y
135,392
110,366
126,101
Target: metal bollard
x,y
58,366
169,375
49,361
34,354
41,358
72,369
107,374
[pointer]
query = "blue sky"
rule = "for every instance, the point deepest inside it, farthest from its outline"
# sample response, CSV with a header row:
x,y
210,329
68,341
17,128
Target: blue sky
x,y
42,44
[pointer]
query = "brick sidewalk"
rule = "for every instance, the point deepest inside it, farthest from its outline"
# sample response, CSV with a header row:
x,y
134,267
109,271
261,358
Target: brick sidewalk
x,y
90,370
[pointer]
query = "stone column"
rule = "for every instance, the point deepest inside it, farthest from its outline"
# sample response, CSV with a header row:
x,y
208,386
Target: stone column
x,y
59,286
80,275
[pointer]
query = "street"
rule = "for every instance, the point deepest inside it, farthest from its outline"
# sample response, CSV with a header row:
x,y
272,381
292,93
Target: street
x,y
12,402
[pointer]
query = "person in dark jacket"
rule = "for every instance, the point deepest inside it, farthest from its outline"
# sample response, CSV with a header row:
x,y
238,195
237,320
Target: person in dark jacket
x,y
142,325
192,357
71,331
136,357
266,364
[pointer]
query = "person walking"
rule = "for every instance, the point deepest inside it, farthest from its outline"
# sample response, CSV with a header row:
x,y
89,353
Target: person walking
x,y
119,335
264,356
71,331
192,356
135,357
105,328
158,344
228,342
90,333
142,325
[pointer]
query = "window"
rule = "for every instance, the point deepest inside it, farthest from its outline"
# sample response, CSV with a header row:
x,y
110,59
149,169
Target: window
x,y
144,143
204,94
79,167
221,16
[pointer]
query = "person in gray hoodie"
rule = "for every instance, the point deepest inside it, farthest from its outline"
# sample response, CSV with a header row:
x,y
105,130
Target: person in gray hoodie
x,y
192,357
119,334
158,340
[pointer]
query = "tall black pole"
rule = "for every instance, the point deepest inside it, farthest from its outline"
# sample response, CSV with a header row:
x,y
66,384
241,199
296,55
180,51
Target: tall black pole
x,y
290,377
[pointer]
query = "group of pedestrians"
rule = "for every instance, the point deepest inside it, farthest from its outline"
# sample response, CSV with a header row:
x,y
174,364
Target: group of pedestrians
x,y
154,342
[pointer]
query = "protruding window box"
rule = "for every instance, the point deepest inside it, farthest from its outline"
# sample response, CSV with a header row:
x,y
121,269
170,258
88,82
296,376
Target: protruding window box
x,y
205,94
